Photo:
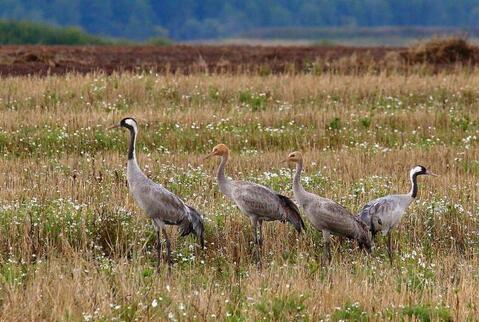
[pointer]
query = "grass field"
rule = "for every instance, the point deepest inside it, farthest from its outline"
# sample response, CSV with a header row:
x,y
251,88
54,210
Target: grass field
x,y
74,245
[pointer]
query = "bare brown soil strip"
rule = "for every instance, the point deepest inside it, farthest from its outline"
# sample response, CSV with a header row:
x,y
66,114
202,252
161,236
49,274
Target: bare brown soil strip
x,y
44,60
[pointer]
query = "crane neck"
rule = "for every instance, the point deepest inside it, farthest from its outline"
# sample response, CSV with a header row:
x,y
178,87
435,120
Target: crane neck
x,y
223,181
132,145
413,192
133,170
297,186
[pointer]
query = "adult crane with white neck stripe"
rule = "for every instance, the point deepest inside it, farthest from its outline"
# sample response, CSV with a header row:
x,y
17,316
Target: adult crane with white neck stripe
x,y
161,205
383,214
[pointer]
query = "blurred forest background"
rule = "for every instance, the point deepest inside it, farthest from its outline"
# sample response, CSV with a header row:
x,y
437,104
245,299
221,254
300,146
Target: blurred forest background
x,y
185,20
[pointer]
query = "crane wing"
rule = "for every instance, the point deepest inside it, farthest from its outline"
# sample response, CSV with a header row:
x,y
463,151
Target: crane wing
x,y
291,212
160,202
381,208
255,199
333,217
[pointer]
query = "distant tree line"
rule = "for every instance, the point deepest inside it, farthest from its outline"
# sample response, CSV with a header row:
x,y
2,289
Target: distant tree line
x,y
206,19
21,32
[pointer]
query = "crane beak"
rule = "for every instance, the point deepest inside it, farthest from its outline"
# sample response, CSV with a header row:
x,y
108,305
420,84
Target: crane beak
x,y
284,161
208,156
113,127
431,174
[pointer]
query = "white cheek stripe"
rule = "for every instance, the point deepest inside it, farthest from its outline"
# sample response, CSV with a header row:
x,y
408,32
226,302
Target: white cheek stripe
x,y
132,124
416,170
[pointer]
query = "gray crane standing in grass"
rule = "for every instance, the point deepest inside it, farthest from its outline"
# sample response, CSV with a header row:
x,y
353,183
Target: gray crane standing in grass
x,y
161,205
383,214
258,202
327,215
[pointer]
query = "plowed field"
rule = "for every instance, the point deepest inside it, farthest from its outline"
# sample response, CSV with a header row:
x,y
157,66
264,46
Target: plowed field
x,y
43,60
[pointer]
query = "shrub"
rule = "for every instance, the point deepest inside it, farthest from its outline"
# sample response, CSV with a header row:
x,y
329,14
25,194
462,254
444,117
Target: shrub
x,y
159,41
441,51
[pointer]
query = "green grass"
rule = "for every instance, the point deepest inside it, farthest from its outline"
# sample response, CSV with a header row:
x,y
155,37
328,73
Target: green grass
x,y
70,231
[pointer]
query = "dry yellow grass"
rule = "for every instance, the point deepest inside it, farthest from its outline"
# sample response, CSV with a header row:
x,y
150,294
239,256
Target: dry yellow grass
x,y
74,246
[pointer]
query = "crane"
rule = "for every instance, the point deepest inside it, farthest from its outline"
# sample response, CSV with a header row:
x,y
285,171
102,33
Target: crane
x,y
161,205
385,213
258,202
326,215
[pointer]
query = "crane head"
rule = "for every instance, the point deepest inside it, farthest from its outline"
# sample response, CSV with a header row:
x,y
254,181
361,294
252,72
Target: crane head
x,y
365,237
295,156
376,224
421,170
219,150
127,122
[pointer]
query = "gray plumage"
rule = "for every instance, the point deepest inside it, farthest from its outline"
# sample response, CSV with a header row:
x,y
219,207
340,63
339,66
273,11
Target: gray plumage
x,y
262,203
164,207
161,205
326,215
383,214
258,202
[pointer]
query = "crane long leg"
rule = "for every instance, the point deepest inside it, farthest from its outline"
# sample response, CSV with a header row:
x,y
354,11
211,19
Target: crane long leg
x,y
168,248
390,247
158,249
260,233
327,245
254,224
202,241
157,226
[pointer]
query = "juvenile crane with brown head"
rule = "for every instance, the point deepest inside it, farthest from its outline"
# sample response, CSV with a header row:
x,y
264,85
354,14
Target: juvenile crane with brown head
x,y
257,201
327,215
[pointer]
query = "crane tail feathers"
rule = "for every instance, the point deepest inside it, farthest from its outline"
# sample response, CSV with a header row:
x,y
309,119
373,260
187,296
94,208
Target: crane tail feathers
x,y
193,224
292,213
